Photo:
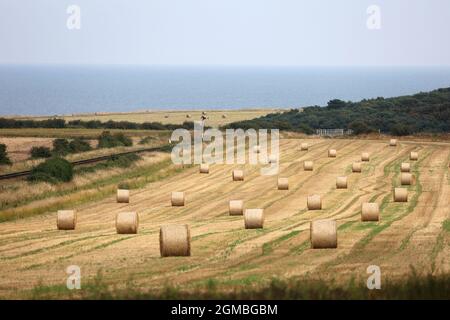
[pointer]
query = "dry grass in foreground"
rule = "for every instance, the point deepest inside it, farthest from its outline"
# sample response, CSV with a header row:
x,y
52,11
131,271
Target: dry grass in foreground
x,y
415,286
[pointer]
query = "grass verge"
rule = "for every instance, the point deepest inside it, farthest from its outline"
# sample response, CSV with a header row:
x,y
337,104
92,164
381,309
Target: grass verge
x,y
414,286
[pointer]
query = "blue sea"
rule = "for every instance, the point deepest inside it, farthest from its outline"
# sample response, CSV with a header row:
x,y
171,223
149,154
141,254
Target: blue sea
x,y
52,90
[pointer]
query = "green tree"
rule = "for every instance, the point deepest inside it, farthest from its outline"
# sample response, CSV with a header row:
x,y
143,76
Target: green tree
x,y
79,145
53,170
4,159
360,127
336,104
401,130
61,147
40,152
107,140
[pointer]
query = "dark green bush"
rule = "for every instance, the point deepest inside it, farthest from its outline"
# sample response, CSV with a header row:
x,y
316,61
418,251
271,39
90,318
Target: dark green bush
x,y
53,170
61,147
123,186
79,145
360,127
4,155
401,130
146,140
40,152
122,161
108,140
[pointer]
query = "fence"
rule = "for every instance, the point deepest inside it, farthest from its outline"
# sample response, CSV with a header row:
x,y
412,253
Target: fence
x,y
333,132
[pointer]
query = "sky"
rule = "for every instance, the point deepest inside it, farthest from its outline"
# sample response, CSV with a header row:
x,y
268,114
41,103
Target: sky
x,y
227,32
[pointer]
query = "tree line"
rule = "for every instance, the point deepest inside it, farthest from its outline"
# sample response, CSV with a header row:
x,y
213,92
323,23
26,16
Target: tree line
x,y
423,112
91,124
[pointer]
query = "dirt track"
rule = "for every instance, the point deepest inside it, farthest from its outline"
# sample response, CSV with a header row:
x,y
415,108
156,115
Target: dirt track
x,y
411,234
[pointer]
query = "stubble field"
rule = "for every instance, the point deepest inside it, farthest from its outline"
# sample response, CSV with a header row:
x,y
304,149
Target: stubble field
x,y
409,235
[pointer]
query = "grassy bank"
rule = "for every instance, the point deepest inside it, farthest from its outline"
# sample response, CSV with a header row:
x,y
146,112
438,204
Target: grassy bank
x,y
414,286
95,190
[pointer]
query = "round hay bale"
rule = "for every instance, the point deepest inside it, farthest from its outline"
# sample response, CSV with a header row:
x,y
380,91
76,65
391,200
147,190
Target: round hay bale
x,y
370,211
254,218
341,183
283,184
314,202
406,179
356,167
413,156
188,116
224,116
400,195
256,149
405,167
332,153
174,240
273,158
166,116
323,234
66,219
123,196
127,222
204,168
177,199
365,156
308,165
393,142
304,146
236,207
238,175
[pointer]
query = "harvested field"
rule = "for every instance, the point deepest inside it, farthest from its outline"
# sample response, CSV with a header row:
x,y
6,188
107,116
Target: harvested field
x,y
33,251
19,148
215,117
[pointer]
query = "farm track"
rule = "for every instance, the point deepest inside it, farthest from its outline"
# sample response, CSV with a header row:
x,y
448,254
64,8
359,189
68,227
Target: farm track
x,y
33,251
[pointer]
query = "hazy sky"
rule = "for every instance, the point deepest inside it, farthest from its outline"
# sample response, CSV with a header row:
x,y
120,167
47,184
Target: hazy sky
x,y
226,32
